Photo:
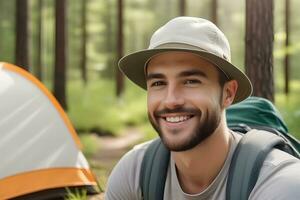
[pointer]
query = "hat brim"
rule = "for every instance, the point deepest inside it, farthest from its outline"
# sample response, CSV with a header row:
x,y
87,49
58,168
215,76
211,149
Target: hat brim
x,y
133,64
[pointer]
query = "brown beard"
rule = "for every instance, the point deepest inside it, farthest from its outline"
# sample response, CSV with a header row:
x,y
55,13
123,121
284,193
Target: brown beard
x,y
201,132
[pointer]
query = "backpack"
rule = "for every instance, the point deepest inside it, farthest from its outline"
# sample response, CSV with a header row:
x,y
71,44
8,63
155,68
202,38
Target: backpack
x,y
263,130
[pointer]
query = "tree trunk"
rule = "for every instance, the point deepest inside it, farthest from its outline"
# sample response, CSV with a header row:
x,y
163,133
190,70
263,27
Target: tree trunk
x,y
287,43
39,71
60,53
21,51
110,39
119,75
182,8
259,47
214,12
83,41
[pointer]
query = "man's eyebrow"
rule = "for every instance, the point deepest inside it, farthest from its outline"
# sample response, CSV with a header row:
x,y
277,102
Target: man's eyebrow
x,y
154,76
193,72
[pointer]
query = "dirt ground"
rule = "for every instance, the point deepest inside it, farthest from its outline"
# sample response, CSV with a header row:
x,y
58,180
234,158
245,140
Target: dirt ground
x,y
111,149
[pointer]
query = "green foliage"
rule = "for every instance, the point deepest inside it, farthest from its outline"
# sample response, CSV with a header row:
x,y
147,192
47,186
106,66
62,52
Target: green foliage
x,y
142,17
89,144
150,133
95,107
7,39
77,194
289,107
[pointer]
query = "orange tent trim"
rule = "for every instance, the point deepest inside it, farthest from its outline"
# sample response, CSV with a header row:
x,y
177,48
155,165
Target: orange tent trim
x,y
38,180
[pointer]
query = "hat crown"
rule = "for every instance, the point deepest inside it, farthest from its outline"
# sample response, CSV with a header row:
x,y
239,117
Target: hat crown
x,y
197,32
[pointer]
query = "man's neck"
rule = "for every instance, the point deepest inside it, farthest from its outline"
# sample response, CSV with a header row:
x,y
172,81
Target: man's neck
x,y
198,167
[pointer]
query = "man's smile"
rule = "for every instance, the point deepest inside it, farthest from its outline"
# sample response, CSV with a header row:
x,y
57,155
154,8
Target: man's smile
x,y
176,119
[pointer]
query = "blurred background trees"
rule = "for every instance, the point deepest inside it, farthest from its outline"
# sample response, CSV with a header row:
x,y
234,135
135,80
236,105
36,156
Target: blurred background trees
x,y
75,53
259,47
60,53
21,50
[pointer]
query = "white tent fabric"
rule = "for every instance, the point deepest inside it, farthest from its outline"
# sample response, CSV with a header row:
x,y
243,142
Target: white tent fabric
x,y
35,132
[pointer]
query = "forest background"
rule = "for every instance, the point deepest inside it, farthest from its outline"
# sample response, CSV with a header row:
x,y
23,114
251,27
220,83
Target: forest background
x,y
92,100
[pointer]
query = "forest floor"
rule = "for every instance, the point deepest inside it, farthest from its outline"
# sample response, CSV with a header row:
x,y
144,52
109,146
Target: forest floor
x,y
111,149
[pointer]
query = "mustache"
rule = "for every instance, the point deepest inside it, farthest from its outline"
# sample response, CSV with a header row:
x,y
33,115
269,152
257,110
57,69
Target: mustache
x,y
191,111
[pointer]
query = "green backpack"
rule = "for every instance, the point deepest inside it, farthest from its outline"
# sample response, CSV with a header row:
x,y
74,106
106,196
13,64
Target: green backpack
x,y
264,130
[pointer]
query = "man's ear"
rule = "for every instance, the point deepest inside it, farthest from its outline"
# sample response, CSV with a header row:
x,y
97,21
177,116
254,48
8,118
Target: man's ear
x,y
229,92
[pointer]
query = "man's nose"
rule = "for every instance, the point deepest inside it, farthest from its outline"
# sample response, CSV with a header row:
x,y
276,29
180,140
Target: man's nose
x,y
173,98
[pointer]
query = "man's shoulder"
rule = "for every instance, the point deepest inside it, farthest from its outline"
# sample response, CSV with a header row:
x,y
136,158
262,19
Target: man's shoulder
x,y
133,158
123,182
142,146
277,157
279,177
281,165
136,154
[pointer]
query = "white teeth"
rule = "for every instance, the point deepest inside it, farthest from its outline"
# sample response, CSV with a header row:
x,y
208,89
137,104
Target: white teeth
x,y
177,119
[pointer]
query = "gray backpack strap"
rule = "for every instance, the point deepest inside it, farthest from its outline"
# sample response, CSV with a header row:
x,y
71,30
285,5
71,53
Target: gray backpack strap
x,y
247,161
154,171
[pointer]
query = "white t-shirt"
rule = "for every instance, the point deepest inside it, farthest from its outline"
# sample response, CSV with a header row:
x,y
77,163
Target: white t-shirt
x,y
279,178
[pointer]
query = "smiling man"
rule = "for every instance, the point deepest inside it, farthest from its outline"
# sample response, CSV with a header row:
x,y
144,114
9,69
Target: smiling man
x,y
181,105
190,81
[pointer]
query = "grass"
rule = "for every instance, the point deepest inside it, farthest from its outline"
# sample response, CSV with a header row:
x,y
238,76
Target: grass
x,y
76,195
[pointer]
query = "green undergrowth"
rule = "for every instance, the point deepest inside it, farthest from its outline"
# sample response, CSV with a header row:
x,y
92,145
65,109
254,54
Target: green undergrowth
x,y
76,195
289,107
89,144
95,108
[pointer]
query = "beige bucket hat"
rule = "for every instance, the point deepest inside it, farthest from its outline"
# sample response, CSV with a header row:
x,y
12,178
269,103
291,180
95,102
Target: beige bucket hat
x,y
189,34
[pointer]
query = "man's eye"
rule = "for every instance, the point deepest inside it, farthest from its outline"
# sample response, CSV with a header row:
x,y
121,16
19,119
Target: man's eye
x,y
157,83
192,81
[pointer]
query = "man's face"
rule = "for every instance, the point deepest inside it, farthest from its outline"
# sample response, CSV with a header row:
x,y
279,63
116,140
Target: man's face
x,y
184,99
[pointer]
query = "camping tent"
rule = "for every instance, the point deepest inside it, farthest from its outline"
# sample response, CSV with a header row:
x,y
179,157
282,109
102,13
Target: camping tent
x,y
39,149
